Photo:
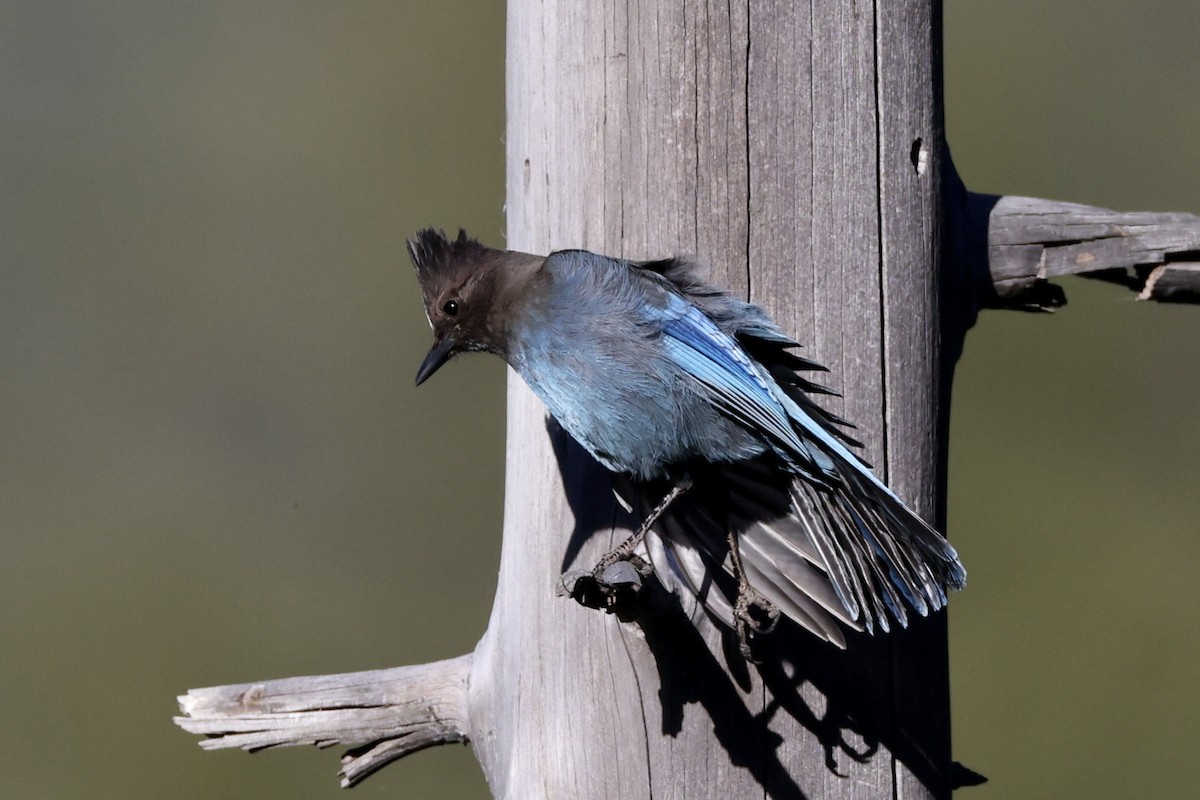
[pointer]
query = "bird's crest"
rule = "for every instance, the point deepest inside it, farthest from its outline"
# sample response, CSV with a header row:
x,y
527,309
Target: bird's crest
x,y
434,254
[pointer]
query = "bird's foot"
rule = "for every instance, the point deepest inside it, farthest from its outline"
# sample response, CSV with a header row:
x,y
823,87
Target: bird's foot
x,y
753,615
614,585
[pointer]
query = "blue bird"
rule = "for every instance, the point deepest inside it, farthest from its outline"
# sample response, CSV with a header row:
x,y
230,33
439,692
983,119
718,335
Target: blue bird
x,y
760,505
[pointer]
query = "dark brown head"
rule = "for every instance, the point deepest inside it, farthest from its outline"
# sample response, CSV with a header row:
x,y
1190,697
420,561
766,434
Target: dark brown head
x,y
466,286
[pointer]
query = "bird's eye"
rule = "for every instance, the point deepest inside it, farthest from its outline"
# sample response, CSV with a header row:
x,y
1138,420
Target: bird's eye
x,y
450,308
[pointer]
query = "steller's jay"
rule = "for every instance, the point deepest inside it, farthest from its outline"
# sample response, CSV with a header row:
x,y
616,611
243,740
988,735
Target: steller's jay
x,y
759,504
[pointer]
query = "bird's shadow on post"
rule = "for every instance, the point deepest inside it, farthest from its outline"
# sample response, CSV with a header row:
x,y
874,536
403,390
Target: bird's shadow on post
x,y
848,700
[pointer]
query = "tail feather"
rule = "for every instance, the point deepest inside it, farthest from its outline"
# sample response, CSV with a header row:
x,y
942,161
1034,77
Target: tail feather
x,y
793,600
846,557
685,560
784,571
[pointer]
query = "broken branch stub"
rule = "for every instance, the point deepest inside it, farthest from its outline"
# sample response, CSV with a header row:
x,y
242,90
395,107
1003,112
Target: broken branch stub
x,y
382,714
1031,240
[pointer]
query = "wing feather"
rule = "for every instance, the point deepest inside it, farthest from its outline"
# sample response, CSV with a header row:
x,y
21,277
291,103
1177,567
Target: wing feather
x,y
843,551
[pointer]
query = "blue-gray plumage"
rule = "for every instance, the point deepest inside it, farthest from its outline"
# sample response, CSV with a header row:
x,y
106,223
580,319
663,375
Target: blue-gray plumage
x,y
672,382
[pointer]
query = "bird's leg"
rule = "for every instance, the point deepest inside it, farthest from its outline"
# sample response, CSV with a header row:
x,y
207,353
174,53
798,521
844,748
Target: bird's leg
x,y
749,601
616,582
625,550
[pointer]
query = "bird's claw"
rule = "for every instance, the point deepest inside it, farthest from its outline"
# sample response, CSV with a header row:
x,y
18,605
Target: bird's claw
x,y
753,615
614,585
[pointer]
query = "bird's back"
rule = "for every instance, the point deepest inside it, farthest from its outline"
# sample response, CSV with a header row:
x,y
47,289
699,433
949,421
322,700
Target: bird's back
x,y
589,341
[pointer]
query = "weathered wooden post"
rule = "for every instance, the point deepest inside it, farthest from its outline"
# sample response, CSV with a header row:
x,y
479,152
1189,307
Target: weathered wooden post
x,y
793,151
798,151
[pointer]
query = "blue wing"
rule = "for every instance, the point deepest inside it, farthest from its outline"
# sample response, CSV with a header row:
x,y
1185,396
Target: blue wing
x,y
733,383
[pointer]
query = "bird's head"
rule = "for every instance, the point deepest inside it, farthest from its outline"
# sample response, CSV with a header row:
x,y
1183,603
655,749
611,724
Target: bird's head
x,y
466,287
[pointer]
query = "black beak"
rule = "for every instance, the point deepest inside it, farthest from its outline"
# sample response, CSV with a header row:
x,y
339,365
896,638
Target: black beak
x,y
439,354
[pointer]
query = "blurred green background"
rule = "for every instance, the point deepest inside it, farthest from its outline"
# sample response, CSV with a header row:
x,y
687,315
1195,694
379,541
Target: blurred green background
x,y
214,466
